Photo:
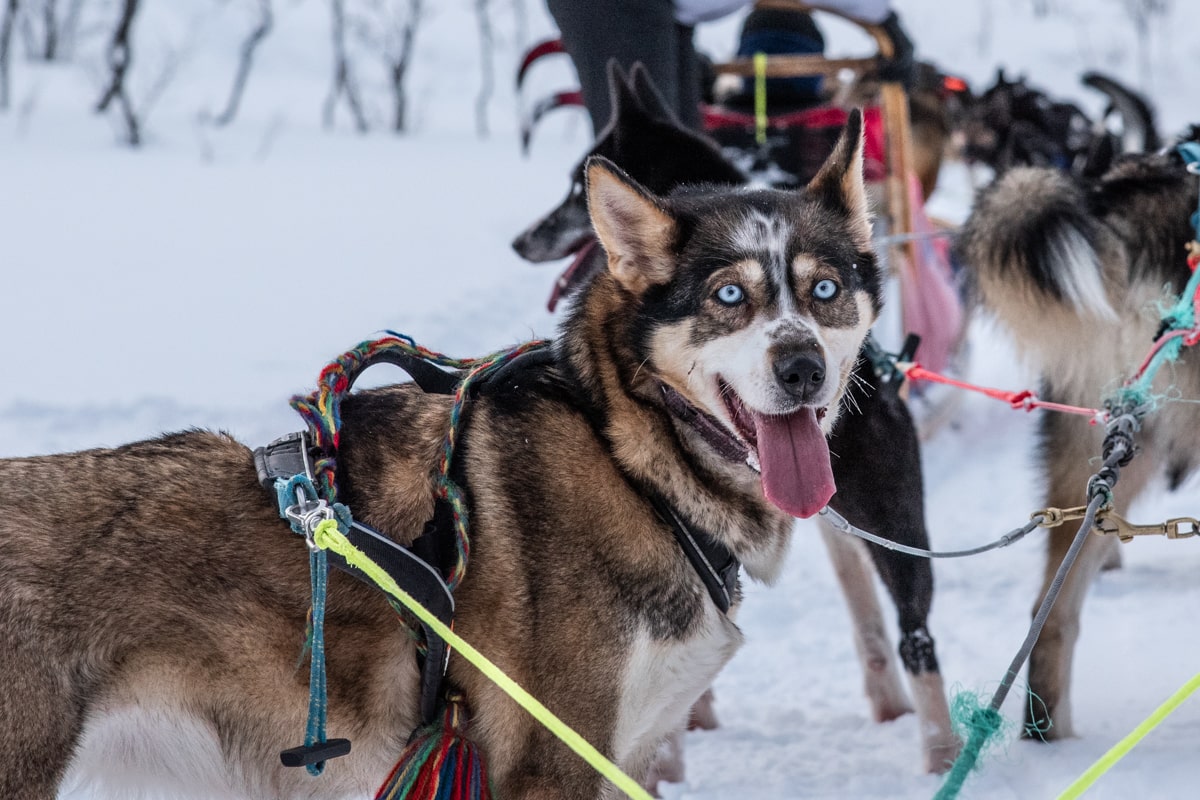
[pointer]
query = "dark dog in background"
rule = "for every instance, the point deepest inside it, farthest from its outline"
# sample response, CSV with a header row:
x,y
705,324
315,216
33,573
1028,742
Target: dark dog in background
x,y
1014,124
1074,268
649,145
876,451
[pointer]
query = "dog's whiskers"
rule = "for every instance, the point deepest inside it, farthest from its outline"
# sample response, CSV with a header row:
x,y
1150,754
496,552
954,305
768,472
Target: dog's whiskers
x,y
638,371
854,382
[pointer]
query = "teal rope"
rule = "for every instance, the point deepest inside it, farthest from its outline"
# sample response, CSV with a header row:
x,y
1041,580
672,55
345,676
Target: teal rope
x,y
286,494
1190,152
981,724
314,733
1179,317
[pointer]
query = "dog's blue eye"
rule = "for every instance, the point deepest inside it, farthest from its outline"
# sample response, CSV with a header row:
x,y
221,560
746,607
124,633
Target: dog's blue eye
x,y
825,290
731,294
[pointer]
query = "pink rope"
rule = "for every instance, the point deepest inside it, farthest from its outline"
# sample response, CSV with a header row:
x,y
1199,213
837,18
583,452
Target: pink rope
x,y
1024,400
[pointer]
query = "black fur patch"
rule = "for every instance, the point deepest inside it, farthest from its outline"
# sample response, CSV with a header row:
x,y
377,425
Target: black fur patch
x,y
917,653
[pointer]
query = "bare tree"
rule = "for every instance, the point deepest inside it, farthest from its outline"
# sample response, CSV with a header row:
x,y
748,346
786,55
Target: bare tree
x,y
399,56
266,21
984,38
120,55
49,29
486,48
42,29
343,77
7,23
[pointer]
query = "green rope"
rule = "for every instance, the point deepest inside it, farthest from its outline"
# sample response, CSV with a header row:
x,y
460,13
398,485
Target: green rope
x,y
760,98
328,536
1118,751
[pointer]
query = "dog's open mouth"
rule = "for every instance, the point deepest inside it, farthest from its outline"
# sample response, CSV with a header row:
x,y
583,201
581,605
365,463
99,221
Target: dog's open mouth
x,y
792,454
577,271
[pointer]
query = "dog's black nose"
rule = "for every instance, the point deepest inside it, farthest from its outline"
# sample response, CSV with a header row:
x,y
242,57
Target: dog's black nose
x,y
800,374
521,244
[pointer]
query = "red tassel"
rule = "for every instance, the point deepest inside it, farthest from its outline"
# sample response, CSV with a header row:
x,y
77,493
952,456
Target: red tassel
x,y
440,762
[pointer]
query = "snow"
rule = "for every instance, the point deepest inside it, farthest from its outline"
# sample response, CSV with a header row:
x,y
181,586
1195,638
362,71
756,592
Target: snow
x,y
207,277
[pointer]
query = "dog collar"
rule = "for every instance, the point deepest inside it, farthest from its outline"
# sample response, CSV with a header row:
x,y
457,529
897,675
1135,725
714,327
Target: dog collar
x,y
712,432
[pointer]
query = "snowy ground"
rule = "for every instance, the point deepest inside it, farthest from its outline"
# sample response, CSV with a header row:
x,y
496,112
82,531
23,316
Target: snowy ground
x,y
205,279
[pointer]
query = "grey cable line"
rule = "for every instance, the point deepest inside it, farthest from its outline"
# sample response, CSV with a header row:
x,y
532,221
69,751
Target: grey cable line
x,y
843,525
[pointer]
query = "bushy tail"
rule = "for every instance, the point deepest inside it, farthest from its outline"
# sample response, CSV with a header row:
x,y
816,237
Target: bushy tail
x,y
1140,134
1031,239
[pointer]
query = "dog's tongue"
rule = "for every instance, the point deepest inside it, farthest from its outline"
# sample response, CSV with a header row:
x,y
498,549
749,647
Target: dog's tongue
x,y
794,458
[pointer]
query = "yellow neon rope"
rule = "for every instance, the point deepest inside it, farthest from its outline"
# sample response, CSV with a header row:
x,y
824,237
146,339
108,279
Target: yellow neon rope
x,y
760,98
1118,751
328,536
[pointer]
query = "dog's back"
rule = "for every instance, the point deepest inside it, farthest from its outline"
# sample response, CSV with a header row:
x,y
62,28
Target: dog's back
x,y
1073,267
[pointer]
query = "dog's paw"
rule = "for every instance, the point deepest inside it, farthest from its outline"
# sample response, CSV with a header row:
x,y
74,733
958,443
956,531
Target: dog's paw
x,y
667,765
703,716
940,751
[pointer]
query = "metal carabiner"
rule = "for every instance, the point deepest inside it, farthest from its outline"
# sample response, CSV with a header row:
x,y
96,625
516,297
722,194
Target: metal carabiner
x,y
1123,529
307,515
1053,517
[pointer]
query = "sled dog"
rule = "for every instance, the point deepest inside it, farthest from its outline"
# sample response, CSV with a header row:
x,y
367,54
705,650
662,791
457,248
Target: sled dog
x,y
1075,268
884,495
153,604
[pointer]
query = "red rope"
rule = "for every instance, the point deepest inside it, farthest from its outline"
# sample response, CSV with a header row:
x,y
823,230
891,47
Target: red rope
x,y
1028,401
1024,400
1191,337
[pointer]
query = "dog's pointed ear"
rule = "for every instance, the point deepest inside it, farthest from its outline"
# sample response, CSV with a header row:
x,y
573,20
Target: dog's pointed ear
x,y
839,182
636,231
648,94
621,98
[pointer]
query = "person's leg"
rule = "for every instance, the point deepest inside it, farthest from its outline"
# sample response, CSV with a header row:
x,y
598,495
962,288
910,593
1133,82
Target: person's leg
x,y
627,30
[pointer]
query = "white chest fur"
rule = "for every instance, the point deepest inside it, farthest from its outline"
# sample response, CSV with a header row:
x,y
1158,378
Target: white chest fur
x,y
663,678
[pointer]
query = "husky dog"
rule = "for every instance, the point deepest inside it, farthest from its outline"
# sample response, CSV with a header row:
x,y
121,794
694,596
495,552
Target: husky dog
x,y
153,603
884,495
1073,268
1015,124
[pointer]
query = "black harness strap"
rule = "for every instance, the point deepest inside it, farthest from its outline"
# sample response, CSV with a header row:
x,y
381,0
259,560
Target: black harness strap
x,y
714,563
431,378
